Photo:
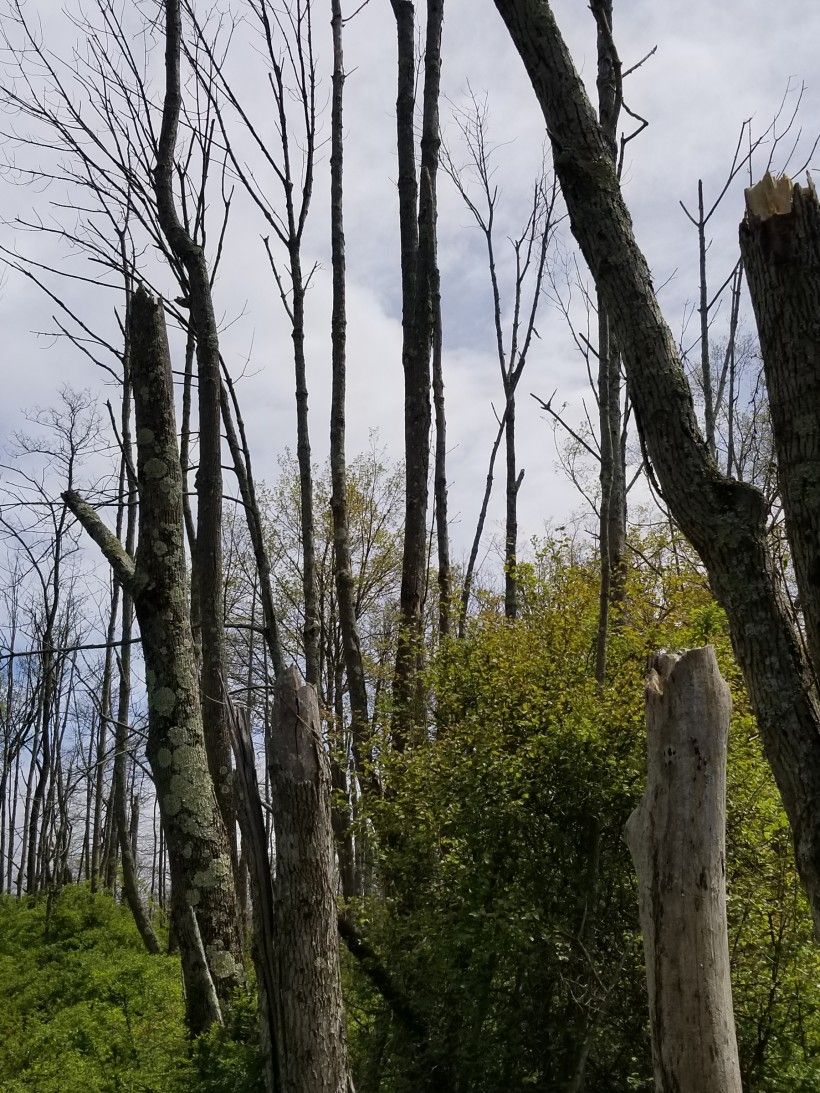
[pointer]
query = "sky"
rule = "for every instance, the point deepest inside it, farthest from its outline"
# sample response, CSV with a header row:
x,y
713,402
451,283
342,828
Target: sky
x,y
714,67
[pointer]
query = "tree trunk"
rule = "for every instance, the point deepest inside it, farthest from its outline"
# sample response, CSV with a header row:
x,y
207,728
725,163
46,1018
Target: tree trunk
x,y
511,522
191,257
343,567
723,519
677,838
612,515
445,591
780,243
308,988
203,896
240,454
417,215
255,848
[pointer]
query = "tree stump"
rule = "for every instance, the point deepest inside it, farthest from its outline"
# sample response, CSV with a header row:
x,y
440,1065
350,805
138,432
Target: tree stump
x,y
676,837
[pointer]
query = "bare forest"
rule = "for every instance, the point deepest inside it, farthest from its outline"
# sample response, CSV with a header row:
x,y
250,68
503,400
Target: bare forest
x,y
409,547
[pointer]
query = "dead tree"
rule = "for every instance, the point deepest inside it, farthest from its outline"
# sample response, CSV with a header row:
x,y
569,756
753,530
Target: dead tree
x,y
345,586
286,38
417,226
308,986
204,902
190,257
780,241
530,248
612,513
677,838
723,519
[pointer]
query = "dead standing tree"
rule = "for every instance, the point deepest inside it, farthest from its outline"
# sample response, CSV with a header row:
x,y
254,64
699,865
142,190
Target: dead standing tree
x,y
204,902
286,44
723,519
677,838
419,277
190,256
530,250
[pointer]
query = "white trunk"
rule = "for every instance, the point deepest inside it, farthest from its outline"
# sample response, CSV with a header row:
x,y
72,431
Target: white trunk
x,y
677,840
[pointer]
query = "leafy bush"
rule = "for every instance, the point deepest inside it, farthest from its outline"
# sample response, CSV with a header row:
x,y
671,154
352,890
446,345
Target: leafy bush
x,y
510,917
86,1009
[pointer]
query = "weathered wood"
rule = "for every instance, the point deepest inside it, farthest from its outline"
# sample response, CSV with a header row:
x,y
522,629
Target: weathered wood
x,y
780,244
310,1011
255,851
677,840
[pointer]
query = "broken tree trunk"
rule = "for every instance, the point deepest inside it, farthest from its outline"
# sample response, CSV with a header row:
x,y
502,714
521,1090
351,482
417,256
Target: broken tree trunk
x,y
676,837
780,244
310,1011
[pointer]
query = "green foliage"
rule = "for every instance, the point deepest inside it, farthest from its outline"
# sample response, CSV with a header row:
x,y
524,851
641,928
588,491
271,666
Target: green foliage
x,y
510,917
86,1009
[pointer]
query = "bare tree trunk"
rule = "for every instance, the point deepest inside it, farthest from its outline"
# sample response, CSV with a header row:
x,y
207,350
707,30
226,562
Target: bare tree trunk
x,y
482,519
511,521
345,586
612,522
240,454
445,591
417,221
308,988
780,242
255,846
677,838
205,913
723,519
130,884
191,257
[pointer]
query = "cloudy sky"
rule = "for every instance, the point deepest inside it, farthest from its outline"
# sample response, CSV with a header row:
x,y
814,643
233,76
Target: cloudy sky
x,y
715,66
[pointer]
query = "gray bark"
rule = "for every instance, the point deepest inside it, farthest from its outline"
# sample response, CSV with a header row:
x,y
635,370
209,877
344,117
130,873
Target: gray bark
x,y
191,257
204,902
417,217
343,567
612,516
308,986
723,519
677,839
780,243
130,885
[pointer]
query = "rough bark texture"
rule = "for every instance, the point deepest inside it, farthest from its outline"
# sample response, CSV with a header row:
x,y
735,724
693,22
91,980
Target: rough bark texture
x,y
130,885
255,849
191,257
723,519
677,839
204,902
308,990
780,243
